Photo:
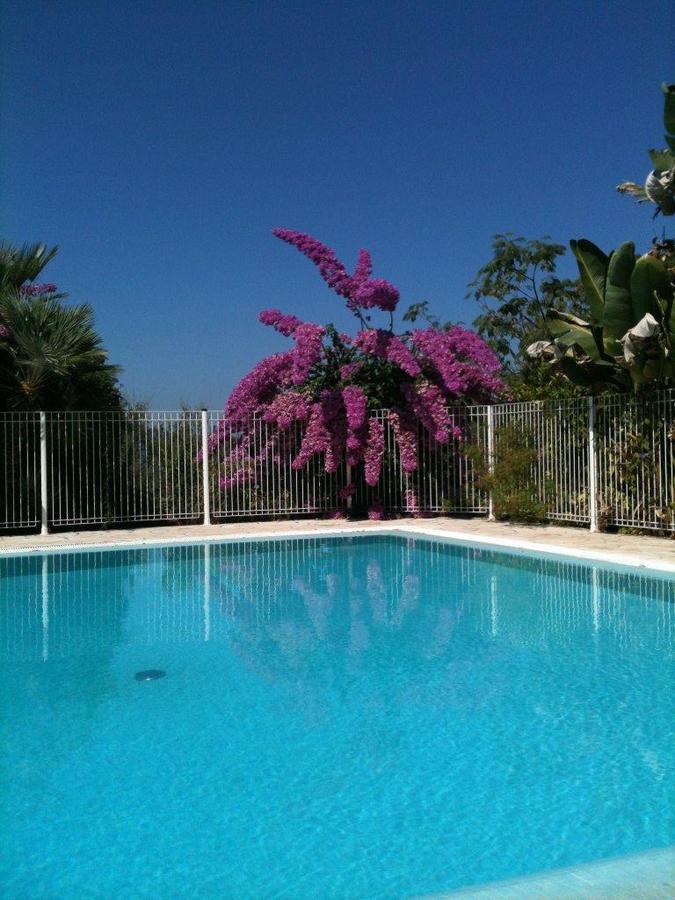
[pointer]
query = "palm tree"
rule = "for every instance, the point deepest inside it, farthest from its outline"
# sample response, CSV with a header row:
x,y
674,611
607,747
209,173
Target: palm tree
x,y
20,264
51,356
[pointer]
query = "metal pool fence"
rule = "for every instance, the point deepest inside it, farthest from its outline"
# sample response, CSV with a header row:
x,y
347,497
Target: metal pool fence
x,y
607,461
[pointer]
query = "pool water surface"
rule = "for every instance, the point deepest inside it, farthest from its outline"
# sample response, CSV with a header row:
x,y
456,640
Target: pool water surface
x,y
340,717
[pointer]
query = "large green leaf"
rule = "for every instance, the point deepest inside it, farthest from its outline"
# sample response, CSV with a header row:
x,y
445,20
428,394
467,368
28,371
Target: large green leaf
x,y
618,312
662,160
593,265
593,374
649,276
669,114
570,331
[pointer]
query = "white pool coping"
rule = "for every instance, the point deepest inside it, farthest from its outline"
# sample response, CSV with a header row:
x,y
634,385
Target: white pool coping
x,y
639,876
111,540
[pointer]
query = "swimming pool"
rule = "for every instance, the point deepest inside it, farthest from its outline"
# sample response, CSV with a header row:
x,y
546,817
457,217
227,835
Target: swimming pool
x,y
374,716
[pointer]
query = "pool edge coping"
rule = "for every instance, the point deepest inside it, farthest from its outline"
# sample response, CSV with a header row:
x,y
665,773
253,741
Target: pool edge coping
x,y
409,529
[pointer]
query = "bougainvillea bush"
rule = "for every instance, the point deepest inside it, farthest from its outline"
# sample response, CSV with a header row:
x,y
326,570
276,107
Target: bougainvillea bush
x,y
330,383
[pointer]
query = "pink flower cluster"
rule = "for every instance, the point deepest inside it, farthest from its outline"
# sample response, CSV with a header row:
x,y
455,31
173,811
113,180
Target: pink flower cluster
x,y
287,408
359,289
376,511
308,349
372,457
330,268
348,370
325,432
329,385
284,324
405,431
349,490
428,404
259,388
385,345
464,363
36,290
356,406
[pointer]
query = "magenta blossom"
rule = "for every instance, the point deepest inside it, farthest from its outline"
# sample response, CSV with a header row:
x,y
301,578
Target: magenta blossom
x,y
405,432
359,289
308,347
427,403
314,400
463,362
376,511
372,457
286,409
284,324
347,491
259,387
376,294
385,345
36,290
349,369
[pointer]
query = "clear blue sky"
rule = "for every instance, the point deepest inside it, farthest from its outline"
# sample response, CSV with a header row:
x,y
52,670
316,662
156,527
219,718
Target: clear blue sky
x,y
158,143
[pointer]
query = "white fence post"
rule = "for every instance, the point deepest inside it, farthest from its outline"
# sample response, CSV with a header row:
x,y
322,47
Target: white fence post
x,y
205,468
592,468
491,455
44,487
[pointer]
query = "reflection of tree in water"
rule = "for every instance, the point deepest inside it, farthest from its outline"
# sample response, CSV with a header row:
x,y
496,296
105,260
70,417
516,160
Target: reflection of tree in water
x,y
414,623
324,620
63,617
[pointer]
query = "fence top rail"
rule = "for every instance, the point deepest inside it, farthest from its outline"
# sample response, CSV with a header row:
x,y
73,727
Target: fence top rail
x,y
664,395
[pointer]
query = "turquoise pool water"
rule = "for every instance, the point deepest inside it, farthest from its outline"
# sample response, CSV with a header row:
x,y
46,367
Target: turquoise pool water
x,y
363,717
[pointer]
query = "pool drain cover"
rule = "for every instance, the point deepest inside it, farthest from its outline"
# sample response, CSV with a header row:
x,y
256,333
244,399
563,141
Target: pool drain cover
x,y
149,674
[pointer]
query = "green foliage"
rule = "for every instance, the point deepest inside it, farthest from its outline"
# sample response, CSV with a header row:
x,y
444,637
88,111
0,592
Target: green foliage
x,y
513,482
516,291
659,187
638,473
538,380
421,311
629,335
19,264
51,356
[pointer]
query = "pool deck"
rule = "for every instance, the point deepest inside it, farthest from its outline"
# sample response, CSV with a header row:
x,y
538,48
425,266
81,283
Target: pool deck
x,y
641,551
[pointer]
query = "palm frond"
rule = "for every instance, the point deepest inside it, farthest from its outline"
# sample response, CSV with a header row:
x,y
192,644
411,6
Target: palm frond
x,y
19,264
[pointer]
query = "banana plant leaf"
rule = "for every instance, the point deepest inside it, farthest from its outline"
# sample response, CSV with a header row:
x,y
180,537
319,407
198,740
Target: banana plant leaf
x,y
669,114
593,265
592,374
649,278
662,160
572,331
618,308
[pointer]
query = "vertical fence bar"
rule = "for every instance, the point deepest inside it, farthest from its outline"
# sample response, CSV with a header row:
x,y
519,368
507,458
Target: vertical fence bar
x,y
45,607
44,489
592,468
491,455
207,592
205,467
